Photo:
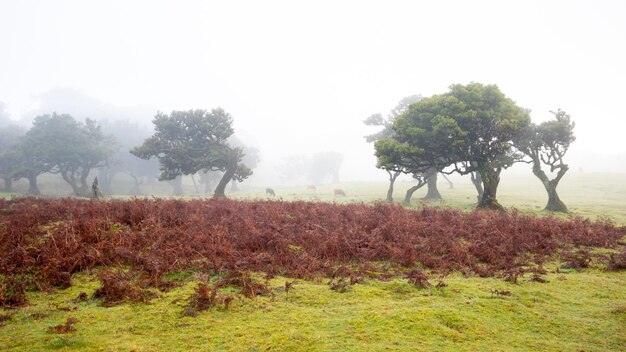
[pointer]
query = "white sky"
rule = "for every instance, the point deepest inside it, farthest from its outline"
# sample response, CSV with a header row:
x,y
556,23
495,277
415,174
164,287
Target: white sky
x,y
300,77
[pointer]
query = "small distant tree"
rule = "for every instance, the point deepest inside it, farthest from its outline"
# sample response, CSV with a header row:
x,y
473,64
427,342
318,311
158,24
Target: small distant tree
x,y
319,168
28,162
325,166
9,154
547,144
186,142
129,134
292,167
58,143
386,133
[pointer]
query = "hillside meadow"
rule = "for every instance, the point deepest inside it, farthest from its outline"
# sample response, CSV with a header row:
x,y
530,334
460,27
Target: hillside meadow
x,y
565,297
588,194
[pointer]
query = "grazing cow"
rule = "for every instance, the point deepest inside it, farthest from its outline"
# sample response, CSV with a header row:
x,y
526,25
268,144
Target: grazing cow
x,y
311,188
269,192
339,192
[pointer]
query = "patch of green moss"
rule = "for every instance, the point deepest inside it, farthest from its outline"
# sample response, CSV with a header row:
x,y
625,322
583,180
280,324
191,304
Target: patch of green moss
x,y
578,310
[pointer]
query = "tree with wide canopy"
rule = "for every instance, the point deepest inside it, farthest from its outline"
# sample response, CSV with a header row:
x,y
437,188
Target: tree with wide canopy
x,y
470,128
58,143
186,142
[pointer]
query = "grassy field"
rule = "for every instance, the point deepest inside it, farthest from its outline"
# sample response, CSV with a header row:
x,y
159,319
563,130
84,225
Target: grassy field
x,y
574,311
589,195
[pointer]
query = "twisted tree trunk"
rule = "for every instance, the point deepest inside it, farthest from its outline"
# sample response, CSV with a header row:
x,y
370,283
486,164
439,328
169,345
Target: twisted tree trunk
x,y
431,182
177,185
195,185
228,175
32,185
69,178
491,180
478,184
410,191
554,202
136,190
84,186
105,177
392,179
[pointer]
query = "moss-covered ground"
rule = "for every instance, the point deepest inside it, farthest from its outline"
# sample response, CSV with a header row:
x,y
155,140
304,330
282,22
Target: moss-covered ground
x,y
574,311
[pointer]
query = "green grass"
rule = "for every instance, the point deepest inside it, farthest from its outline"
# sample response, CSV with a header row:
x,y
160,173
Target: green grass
x,y
590,195
574,311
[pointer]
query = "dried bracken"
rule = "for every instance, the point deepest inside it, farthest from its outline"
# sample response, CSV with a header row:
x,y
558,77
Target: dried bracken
x,y
341,285
48,240
12,293
205,298
418,278
4,318
576,260
64,328
499,292
289,286
511,275
617,261
118,287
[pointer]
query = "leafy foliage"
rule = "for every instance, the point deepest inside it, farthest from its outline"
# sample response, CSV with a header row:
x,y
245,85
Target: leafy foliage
x,y
387,123
547,144
60,144
386,151
470,128
186,142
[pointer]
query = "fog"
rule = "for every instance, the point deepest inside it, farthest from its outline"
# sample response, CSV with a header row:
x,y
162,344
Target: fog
x,y
300,78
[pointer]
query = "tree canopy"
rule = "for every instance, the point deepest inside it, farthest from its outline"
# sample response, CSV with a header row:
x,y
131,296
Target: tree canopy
x,y
387,123
470,128
186,142
58,143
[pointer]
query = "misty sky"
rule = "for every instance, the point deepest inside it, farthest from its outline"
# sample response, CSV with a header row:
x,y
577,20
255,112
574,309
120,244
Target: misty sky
x,y
300,77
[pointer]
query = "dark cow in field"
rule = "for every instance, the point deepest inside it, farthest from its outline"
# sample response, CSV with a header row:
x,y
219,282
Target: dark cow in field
x,y
269,192
339,192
